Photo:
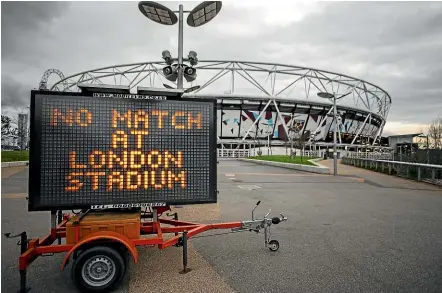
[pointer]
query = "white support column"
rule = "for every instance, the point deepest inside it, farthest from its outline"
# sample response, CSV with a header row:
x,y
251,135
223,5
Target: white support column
x,y
321,124
360,129
254,123
381,129
219,140
379,133
281,118
232,85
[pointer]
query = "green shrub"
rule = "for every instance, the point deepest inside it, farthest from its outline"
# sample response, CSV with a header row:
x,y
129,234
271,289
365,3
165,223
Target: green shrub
x,y
13,156
285,159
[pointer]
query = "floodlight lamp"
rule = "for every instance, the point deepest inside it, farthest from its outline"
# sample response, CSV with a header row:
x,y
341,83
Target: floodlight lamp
x,y
167,86
203,13
157,12
191,89
193,59
325,95
167,57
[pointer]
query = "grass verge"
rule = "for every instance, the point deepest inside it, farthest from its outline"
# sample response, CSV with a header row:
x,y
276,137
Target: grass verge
x,y
285,159
13,156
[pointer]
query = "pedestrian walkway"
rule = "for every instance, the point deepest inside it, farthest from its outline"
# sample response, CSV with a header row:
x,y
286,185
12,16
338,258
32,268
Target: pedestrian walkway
x,y
378,179
10,171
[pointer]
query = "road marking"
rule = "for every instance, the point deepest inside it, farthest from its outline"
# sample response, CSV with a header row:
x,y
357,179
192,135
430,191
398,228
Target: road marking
x,y
14,195
230,175
282,174
249,187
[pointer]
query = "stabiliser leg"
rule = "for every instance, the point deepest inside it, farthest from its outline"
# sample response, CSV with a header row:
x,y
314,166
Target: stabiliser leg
x,y
59,220
185,268
23,247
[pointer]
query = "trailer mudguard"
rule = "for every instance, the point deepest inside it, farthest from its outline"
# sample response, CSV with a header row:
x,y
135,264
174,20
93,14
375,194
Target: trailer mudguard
x,y
104,235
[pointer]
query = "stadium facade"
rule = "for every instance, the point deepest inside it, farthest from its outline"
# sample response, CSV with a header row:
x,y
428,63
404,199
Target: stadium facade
x,y
258,102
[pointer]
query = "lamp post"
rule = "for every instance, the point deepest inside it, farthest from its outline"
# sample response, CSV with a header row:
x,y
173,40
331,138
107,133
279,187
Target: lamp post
x,y
269,132
200,15
330,96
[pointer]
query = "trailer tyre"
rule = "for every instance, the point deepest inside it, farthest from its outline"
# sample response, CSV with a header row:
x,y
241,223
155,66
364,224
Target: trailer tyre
x,y
273,245
98,269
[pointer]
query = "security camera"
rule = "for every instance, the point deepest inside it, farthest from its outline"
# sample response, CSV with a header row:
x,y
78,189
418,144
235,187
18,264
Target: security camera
x,y
189,73
193,59
170,72
339,119
167,57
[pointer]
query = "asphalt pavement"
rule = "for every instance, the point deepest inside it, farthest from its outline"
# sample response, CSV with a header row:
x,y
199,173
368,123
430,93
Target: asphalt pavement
x,y
344,234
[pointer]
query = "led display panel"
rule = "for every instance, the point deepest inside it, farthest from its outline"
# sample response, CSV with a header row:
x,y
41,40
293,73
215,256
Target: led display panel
x,y
88,151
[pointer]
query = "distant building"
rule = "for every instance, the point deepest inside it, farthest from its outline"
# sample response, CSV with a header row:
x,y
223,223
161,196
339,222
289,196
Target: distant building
x,y
404,143
394,140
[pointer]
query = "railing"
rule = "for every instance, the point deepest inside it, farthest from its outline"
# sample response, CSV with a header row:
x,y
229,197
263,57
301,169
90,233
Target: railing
x,y
232,153
372,156
313,154
416,171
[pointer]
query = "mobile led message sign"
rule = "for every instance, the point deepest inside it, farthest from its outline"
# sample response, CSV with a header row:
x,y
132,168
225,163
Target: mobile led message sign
x,y
120,152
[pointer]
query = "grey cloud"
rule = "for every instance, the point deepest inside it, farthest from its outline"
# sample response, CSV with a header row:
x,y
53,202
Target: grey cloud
x,y
402,37
21,20
27,16
15,95
395,45
367,24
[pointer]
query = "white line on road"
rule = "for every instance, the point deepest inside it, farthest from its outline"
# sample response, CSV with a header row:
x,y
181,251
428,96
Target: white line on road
x,y
249,187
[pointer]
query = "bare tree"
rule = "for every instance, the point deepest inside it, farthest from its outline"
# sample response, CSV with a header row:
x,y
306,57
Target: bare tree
x,y
301,140
435,132
294,133
8,128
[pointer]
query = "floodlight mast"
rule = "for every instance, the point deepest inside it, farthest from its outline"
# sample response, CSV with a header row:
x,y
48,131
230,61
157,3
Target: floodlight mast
x,y
180,47
200,15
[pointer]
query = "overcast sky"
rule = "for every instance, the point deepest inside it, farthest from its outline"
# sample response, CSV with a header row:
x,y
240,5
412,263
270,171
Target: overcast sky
x,y
396,45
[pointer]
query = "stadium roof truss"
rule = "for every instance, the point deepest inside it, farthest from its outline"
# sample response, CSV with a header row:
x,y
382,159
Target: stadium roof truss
x,y
248,81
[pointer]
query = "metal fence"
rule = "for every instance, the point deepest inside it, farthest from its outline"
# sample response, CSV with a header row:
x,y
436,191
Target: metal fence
x,y
372,156
313,154
232,153
430,156
242,153
416,171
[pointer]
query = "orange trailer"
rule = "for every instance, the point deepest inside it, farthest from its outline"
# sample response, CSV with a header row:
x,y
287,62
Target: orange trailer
x,y
99,241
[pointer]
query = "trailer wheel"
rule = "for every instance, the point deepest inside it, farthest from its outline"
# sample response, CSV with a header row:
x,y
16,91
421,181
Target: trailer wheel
x,y
98,269
273,245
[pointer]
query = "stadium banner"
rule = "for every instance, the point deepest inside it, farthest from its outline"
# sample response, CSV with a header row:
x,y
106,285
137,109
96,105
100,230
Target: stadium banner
x,y
98,151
